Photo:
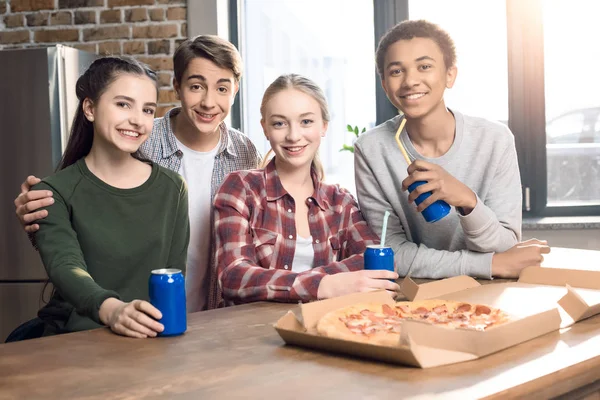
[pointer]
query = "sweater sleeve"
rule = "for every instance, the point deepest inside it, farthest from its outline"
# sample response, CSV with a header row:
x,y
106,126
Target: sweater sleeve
x,y
181,233
494,225
63,259
416,260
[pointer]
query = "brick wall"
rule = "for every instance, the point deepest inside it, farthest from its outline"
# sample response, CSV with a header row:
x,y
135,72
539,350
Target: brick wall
x,y
149,30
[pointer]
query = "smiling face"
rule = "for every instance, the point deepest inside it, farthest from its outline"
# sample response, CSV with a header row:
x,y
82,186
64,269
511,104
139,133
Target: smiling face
x,y
415,77
207,92
123,116
293,123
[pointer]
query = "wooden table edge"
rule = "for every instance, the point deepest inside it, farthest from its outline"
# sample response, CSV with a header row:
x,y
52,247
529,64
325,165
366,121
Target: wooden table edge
x,y
556,383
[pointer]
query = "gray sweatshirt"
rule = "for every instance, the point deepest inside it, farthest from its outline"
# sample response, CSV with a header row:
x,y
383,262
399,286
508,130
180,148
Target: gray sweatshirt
x,y
483,157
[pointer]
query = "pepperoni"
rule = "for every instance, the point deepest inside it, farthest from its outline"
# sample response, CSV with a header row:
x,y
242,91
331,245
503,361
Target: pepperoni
x,y
440,309
387,310
421,310
464,307
482,310
366,312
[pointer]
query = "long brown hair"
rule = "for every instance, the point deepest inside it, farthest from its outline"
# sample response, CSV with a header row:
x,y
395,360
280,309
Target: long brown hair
x,y
307,86
91,85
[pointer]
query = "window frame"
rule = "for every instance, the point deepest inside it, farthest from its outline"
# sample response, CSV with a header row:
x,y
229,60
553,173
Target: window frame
x,y
235,9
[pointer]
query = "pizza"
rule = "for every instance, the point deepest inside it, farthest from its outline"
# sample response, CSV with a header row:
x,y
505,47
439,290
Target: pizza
x,y
379,323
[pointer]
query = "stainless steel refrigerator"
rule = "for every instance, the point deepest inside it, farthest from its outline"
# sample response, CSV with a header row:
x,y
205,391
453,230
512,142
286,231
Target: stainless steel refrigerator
x,y
37,104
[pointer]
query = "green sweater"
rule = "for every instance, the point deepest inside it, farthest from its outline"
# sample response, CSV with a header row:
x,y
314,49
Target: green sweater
x,y
99,241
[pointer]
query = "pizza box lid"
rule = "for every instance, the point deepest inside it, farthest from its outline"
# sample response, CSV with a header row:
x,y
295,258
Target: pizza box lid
x,y
421,344
576,292
436,289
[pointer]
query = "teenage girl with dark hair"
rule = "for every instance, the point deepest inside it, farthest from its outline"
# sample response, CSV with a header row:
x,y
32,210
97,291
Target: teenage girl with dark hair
x,y
97,243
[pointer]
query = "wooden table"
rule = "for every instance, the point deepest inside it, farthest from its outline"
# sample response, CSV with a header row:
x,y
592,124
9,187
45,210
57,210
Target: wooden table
x,y
235,353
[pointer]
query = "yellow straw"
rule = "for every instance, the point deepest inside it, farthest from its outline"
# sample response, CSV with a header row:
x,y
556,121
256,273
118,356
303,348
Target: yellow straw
x,y
402,149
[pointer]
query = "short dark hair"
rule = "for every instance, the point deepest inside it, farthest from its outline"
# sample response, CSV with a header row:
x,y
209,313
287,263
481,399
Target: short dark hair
x,y
407,30
210,47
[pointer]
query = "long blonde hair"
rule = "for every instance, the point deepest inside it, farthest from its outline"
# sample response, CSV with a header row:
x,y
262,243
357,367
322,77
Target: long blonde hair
x,y
307,86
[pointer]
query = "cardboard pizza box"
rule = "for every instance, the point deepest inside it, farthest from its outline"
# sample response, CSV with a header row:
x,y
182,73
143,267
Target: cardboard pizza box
x,y
574,292
421,344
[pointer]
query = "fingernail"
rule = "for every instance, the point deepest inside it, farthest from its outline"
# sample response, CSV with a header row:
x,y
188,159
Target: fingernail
x,y
51,200
49,194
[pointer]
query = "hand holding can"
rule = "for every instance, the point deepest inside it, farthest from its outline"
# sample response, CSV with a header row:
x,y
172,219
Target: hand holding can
x,y
167,293
436,210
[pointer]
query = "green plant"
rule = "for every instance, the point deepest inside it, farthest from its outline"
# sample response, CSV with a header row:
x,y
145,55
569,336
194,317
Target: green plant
x,y
356,132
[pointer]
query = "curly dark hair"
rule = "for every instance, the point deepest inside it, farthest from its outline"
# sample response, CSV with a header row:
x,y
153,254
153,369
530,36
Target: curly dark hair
x,y
407,30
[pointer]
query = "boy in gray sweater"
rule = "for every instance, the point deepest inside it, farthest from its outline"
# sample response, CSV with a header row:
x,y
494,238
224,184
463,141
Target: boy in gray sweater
x,y
468,162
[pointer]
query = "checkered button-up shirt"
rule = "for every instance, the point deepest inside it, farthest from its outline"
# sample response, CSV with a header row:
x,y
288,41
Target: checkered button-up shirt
x,y
255,233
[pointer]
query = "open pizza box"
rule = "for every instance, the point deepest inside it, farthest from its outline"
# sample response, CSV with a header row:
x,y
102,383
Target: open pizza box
x,y
542,301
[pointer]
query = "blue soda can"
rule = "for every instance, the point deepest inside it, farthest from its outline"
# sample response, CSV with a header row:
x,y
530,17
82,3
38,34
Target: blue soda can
x,y
435,211
167,293
377,257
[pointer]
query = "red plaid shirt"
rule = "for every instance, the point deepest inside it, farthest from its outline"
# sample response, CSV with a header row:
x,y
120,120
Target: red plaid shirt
x,y
255,234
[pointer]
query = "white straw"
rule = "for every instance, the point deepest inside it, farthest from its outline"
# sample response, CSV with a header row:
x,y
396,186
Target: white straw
x,y
384,228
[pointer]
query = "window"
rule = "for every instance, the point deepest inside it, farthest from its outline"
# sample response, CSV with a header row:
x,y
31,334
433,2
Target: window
x,y
333,46
572,104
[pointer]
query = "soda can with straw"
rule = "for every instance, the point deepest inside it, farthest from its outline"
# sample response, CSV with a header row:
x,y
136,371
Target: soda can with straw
x,y
377,257
380,256
438,209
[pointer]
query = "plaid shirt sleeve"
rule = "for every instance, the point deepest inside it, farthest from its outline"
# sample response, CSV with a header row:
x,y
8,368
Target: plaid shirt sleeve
x,y
242,272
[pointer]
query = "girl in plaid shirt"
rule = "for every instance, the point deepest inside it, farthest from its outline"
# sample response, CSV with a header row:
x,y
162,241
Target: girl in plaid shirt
x,y
281,233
